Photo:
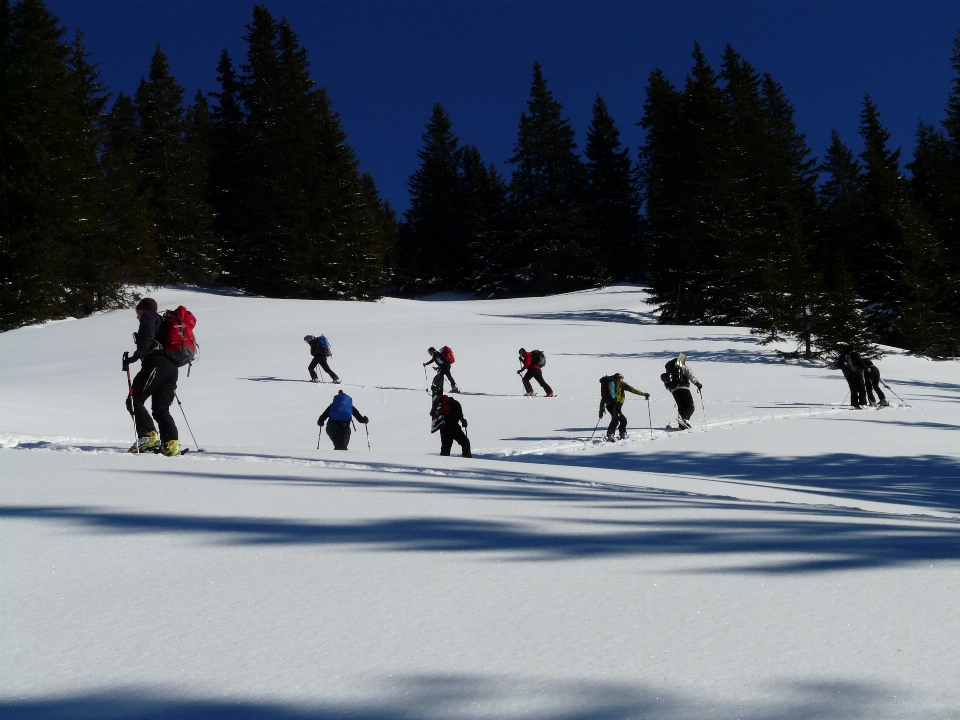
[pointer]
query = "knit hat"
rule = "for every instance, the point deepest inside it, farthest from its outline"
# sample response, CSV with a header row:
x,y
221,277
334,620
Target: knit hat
x,y
147,304
308,338
681,359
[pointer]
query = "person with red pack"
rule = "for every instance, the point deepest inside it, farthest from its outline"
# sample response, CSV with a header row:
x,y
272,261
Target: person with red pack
x,y
533,363
157,379
443,359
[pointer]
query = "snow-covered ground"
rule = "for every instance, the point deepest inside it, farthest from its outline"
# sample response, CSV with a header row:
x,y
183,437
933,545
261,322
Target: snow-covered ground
x,y
787,558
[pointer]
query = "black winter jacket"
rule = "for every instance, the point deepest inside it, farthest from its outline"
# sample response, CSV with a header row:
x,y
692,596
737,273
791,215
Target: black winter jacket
x,y
146,335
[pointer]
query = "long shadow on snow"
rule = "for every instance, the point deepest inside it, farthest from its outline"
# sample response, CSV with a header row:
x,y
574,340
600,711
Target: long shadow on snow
x,y
730,355
429,697
928,481
764,537
629,317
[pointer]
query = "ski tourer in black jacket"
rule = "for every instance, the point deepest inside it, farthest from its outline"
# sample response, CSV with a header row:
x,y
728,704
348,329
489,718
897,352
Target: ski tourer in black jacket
x,y
157,379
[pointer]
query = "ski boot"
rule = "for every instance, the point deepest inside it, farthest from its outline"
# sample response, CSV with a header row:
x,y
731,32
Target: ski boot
x,y
610,438
529,394
551,394
883,403
314,380
148,442
171,448
684,424
454,389
623,435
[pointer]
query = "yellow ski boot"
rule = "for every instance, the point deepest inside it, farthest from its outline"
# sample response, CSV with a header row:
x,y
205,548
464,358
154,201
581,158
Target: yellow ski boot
x,y
147,442
171,448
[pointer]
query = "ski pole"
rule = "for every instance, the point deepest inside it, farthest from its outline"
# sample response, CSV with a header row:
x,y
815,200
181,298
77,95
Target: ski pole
x,y
702,407
136,434
595,429
319,435
894,394
845,398
426,379
195,443
367,428
649,416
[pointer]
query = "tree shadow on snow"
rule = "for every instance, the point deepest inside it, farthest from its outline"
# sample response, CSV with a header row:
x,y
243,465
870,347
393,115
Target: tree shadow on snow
x,y
756,536
927,481
629,317
441,696
730,355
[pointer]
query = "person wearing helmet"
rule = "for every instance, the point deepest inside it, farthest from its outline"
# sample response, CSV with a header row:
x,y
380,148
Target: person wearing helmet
x,y
533,363
337,416
677,380
320,349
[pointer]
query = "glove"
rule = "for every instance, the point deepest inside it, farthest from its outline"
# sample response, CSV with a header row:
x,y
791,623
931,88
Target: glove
x,y
320,422
126,362
364,419
601,410
519,371
646,395
699,387
464,421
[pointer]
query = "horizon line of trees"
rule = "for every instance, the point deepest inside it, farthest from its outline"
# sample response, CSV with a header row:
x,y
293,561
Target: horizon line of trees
x,y
723,212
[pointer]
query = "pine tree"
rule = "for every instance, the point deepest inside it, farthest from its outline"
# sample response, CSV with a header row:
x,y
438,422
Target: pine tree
x,y
307,224
881,238
54,258
484,200
840,199
172,171
549,228
841,323
433,249
612,197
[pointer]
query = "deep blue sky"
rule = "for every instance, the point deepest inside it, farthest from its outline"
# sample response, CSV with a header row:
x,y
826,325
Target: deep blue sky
x,y
386,63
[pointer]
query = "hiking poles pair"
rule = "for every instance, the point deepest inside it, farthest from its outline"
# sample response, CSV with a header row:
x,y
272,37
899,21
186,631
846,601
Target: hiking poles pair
x,y
136,434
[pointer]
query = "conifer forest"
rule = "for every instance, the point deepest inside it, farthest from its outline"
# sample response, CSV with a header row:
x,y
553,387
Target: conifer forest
x,y
723,213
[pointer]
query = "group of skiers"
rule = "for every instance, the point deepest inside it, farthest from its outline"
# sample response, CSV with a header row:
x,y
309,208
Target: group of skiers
x,y
166,343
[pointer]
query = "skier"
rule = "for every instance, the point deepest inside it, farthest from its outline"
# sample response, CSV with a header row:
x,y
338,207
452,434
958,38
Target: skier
x,y
320,349
340,412
612,398
443,370
532,362
447,417
851,363
677,380
157,379
871,374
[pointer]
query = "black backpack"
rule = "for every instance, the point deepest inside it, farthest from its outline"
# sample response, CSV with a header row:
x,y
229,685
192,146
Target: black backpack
x,y
539,358
607,388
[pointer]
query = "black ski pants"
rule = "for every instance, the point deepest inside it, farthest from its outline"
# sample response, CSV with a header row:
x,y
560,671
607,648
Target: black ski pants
x,y
537,374
617,418
157,379
443,372
449,432
858,389
322,362
685,404
339,433
872,377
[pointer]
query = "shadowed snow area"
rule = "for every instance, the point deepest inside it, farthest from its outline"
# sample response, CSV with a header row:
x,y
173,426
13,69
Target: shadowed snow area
x,y
788,557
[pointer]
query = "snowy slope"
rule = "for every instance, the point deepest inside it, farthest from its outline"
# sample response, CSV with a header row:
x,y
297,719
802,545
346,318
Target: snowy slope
x,y
789,557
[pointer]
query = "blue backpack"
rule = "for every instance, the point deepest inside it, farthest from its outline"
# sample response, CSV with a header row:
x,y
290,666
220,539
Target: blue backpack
x,y
324,346
341,409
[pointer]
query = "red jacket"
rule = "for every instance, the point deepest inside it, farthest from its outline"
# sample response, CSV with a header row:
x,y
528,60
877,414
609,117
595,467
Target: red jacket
x,y
527,360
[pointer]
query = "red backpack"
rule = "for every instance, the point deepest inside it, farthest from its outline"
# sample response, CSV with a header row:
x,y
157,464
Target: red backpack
x,y
447,354
176,336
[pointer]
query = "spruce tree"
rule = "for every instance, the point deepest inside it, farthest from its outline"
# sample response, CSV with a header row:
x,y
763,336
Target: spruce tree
x,y
55,259
484,199
172,167
433,240
612,198
307,224
550,233
841,322
881,239
840,199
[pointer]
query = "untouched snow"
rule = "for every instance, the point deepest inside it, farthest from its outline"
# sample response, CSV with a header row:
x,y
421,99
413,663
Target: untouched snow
x,y
787,558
